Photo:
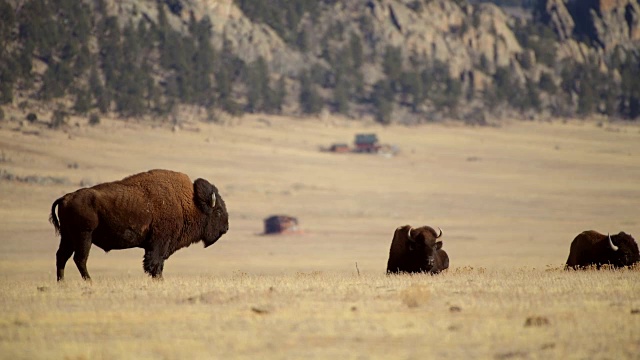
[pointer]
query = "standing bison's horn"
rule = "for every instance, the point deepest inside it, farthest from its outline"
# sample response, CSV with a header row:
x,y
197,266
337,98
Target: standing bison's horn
x,y
440,232
213,200
613,247
409,234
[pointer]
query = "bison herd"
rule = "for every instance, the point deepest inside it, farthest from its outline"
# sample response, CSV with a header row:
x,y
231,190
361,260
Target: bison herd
x,y
162,211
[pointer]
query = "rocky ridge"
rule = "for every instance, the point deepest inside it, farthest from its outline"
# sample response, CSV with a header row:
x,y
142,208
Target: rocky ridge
x,y
478,43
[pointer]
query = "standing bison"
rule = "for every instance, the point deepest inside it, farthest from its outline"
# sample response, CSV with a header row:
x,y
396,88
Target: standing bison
x,y
416,250
592,248
160,211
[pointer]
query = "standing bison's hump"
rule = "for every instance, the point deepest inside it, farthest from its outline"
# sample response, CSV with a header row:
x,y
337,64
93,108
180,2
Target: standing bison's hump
x,y
155,175
154,182
159,189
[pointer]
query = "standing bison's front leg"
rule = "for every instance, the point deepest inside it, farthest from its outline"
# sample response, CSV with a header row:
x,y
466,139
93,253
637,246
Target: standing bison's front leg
x,y
153,262
82,254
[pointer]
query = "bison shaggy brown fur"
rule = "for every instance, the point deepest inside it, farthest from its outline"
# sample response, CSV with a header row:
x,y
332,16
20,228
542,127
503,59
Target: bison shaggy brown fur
x,y
416,250
590,248
160,211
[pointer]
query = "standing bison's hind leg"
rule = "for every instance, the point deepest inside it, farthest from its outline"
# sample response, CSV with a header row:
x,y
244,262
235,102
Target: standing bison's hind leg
x,y
65,250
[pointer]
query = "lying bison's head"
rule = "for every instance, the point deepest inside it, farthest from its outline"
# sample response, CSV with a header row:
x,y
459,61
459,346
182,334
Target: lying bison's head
x,y
624,250
422,245
210,202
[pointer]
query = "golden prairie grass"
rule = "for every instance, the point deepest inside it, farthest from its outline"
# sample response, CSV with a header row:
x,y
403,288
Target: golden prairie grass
x,y
509,200
462,313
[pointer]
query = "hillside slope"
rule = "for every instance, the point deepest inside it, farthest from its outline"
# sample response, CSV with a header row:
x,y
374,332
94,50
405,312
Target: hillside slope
x,y
392,60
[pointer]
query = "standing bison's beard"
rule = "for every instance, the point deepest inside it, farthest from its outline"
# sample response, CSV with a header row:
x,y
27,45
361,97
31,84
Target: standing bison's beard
x,y
208,243
217,226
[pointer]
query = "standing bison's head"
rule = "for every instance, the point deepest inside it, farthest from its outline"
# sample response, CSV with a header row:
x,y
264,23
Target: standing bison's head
x,y
624,250
422,245
210,202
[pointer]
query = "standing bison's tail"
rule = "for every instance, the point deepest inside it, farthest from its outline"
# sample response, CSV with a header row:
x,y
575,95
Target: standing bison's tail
x,y
53,218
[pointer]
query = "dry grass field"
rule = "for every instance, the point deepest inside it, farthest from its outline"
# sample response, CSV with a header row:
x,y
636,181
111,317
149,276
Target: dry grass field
x,y
510,199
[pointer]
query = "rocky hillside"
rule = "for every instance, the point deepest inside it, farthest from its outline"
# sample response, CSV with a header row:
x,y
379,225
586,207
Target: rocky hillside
x,y
593,28
393,60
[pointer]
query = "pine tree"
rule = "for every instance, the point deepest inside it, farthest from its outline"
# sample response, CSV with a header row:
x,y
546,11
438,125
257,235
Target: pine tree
x,y
7,22
341,95
382,99
412,88
162,33
82,104
533,95
310,100
25,62
226,70
6,92
130,84
59,117
56,79
7,78
392,63
203,62
276,102
258,90
98,91
82,60
630,88
109,39
547,84
355,49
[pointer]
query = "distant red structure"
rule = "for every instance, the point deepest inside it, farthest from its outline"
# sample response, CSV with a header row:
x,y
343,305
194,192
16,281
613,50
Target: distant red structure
x,y
340,148
281,224
367,143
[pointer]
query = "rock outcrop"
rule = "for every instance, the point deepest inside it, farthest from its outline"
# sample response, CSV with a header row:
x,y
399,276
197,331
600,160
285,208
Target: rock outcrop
x,y
461,37
557,15
249,39
593,29
616,23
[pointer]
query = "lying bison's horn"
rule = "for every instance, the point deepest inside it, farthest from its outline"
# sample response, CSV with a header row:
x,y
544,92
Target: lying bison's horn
x,y
440,232
613,247
213,200
409,234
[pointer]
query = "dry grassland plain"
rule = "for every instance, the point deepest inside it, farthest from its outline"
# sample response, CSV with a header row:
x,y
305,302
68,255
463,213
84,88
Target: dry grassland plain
x,y
509,199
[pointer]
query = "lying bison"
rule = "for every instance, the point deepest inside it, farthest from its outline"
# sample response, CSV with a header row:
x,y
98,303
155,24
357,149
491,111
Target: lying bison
x,y
160,211
416,250
592,248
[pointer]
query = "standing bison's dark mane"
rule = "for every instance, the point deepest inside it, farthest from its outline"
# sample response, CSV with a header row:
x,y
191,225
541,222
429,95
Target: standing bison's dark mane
x,y
415,250
590,248
160,211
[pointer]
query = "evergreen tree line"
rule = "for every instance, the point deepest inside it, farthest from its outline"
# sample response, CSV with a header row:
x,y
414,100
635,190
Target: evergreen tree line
x,y
283,16
139,68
